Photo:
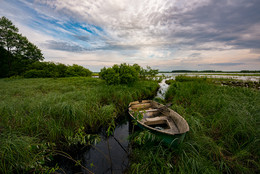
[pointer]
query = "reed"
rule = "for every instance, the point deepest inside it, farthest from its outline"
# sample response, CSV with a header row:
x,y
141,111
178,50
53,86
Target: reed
x,y
53,110
224,130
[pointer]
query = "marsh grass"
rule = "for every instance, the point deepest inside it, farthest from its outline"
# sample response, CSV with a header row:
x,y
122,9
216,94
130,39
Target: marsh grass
x,y
53,110
224,130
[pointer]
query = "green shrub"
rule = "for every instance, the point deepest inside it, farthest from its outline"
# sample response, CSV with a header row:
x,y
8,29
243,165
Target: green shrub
x,y
50,69
110,76
76,70
128,74
33,73
123,74
148,73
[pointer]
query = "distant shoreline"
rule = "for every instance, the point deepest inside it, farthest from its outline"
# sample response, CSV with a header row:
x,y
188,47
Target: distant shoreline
x,y
211,71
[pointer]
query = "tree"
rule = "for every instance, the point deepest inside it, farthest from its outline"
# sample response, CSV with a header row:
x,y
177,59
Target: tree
x,y
137,67
18,52
8,34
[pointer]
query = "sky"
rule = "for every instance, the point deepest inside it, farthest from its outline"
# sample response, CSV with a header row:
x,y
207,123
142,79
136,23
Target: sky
x,y
164,34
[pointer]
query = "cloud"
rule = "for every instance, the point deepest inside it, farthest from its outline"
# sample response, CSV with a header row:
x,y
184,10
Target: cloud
x,y
169,23
63,46
230,23
150,32
82,37
195,55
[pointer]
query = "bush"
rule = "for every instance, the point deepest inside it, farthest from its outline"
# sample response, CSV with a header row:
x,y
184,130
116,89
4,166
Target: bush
x,y
33,73
110,76
128,74
148,73
76,70
50,69
123,74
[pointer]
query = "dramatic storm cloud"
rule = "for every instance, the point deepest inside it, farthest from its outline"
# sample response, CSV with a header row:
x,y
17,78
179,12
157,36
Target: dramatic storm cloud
x,y
164,34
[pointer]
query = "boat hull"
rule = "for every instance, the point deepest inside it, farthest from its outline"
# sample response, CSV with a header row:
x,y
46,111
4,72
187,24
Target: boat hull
x,y
170,138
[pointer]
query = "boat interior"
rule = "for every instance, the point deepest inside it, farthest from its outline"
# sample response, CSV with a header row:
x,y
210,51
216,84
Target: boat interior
x,y
159,117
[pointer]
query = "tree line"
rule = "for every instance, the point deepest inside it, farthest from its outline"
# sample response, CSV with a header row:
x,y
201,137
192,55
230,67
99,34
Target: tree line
x,y
19,57
55,70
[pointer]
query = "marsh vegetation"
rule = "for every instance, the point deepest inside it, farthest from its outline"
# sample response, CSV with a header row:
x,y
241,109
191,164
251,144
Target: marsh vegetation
x,y
41,116
224,131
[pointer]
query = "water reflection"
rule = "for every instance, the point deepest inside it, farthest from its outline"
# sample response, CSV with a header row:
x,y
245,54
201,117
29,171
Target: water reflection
x,y
109,155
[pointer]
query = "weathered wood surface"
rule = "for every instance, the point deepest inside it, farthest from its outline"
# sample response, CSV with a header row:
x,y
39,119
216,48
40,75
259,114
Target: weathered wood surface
x,y
157,114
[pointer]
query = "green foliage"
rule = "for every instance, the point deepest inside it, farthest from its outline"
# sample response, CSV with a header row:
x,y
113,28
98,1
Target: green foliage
x,y
137,116
16,51
50,69
123,74
148,73
137,67
76,70
111,128
149,155
21,154
223,137
33,73
126,74
64,111
81,137
5,58
170,81
110,76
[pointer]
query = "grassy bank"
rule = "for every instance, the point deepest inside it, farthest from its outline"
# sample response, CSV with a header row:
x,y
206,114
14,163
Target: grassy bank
x,y
39,116
223,137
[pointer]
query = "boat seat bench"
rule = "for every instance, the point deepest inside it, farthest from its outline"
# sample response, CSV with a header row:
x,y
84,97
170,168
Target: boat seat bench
x,y
157,120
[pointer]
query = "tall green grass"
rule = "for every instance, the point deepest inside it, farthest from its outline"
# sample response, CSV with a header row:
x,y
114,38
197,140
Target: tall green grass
x,y
53,110
224,134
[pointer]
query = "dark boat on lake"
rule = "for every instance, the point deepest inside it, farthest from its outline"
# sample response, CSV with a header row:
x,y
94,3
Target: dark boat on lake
x,y
159,119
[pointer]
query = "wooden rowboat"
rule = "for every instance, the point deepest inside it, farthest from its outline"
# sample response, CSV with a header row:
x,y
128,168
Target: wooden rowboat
x,y
159,119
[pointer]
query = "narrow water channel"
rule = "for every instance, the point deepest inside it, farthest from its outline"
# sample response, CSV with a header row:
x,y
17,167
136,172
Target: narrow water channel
x,y
162,89
108,156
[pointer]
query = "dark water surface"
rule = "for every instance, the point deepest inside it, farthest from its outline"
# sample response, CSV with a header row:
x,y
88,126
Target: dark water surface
x,y
110,155
113,148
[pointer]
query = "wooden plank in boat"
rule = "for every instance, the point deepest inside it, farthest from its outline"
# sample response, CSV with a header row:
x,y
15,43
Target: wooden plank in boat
x,y
141,105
